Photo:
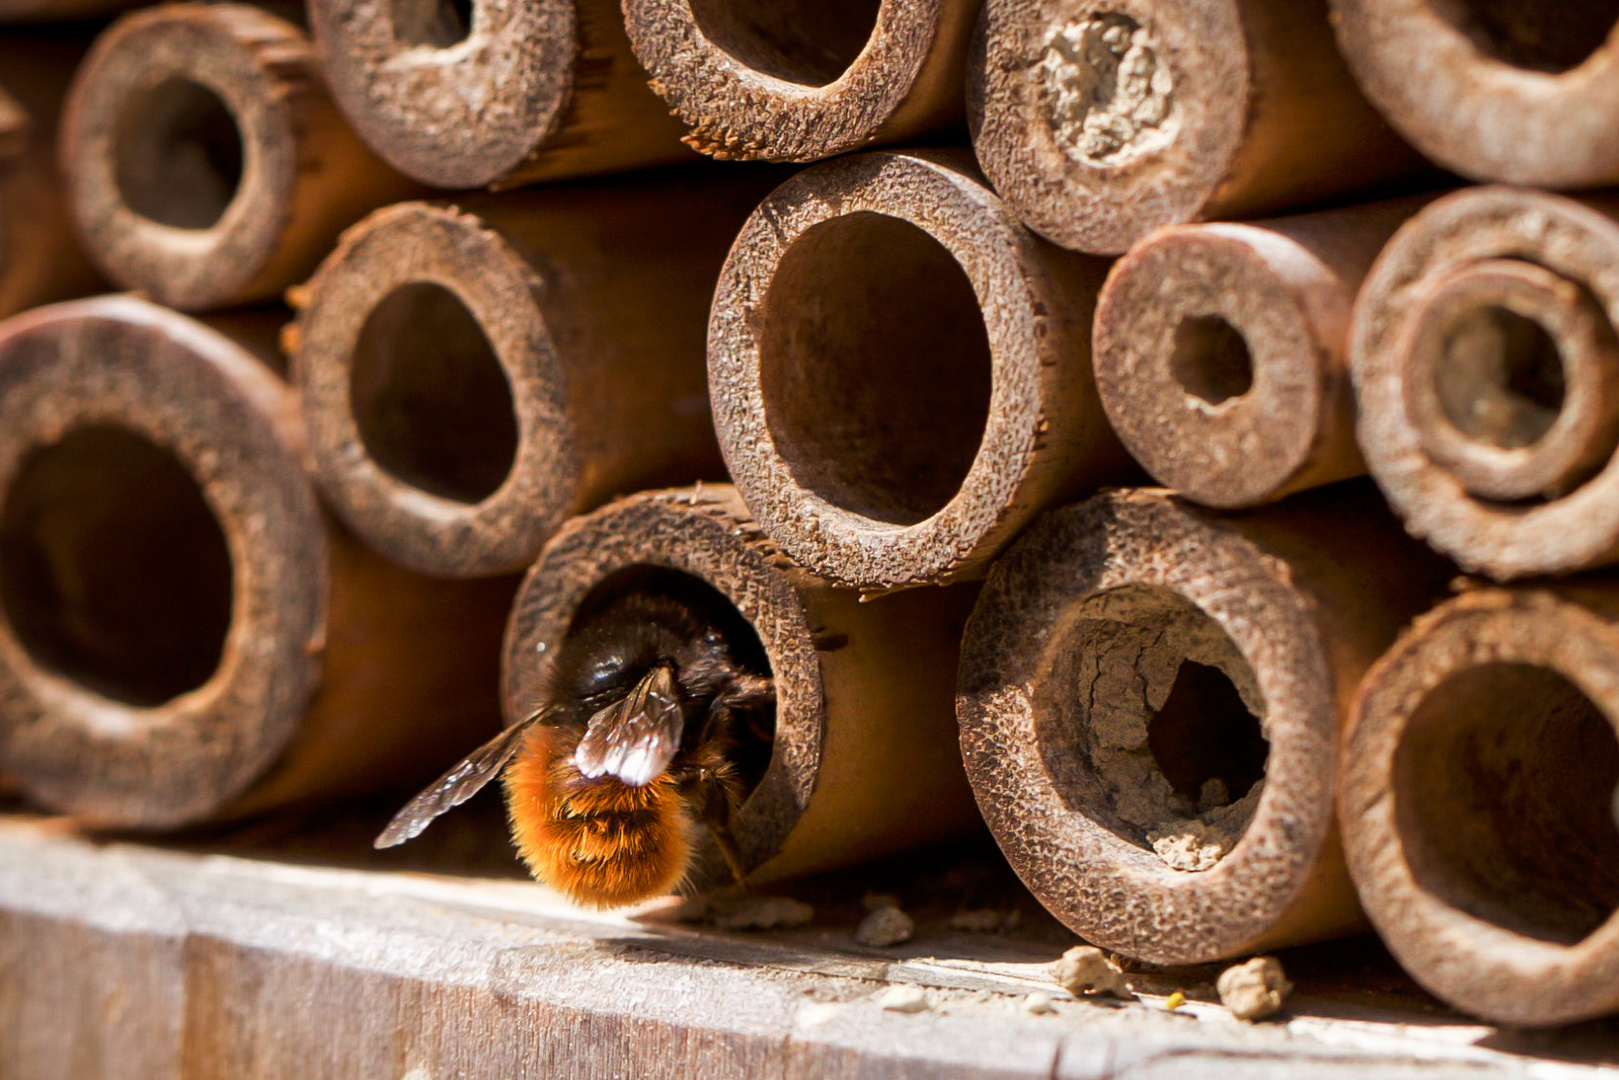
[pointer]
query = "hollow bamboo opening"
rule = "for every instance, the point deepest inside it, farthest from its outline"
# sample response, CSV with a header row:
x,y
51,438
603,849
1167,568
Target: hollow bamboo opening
x,y
1545,36
1500,377
114,571
877,393
809,42
177,154
1211,360
430,398
1504,783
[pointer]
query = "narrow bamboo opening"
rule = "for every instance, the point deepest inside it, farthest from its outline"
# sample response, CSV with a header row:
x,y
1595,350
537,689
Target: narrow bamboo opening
x,y
1211,360
1500,378
177,154
1550,36
603,617
430,398
809,42
437,24
1151,724
114,571
1504,786
875,367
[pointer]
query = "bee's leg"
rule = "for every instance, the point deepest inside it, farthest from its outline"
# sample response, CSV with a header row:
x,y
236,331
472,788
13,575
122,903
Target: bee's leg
x,y
720,825
747,694
710,783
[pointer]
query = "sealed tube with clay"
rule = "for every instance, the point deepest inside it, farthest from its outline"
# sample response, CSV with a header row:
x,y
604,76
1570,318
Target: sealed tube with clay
x,y
1150,703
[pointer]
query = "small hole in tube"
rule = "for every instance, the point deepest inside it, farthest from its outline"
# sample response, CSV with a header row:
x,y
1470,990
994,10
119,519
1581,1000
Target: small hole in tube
x,y
436,24
1211,359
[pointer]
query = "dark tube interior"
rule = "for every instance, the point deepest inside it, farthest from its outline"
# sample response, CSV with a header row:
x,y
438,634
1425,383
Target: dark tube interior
x,y
1211,359
177,155
1504,797
114,572
875,367
430,398
438,24
810,42
1500,378
1551,36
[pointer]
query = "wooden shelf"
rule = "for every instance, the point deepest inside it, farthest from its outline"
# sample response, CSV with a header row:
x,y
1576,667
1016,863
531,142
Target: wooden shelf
x,y
119,959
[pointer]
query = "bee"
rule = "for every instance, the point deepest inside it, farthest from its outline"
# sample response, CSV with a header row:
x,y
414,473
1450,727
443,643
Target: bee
x,y
655,715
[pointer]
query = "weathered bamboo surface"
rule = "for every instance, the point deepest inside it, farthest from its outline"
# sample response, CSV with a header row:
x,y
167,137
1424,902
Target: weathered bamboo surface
x,y
1478,801
863,690
1221,352
1098,123
40,259
1487,371
1150,701
900,371
466,95
185,633
1522,93
801,80
205,161
473,375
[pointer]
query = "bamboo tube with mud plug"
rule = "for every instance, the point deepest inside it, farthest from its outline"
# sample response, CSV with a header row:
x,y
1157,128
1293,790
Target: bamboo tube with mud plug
x,y
1098,121
1150,702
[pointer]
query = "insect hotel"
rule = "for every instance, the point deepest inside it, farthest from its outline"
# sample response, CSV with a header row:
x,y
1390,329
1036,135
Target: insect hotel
x,y
735,538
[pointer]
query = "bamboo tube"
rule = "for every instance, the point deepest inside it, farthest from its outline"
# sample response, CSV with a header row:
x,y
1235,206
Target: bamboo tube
x,y
900,372
1221,352
40,260
465,93
183,634
766,80
1494,89
1150,698
474,376
1098,122
1487,372
206,164
864,758
1477,801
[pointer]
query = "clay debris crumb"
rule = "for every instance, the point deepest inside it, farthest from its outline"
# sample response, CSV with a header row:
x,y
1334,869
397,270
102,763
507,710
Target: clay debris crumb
x,y
1038,1003
885,926
760,913
1254,990
1107,92
902,999
1084,972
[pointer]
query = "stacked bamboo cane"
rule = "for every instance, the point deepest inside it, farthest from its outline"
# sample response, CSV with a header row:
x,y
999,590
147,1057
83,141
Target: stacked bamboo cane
x,y
1225,715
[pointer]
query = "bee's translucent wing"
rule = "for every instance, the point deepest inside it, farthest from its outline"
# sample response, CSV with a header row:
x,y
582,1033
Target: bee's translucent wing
x,y
458,785
635,739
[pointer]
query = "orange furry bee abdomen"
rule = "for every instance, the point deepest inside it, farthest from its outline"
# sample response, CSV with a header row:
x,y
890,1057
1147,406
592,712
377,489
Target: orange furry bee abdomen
x,y
600,841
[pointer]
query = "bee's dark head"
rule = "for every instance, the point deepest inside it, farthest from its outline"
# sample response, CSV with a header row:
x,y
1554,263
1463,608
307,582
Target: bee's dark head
x,y
643,617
